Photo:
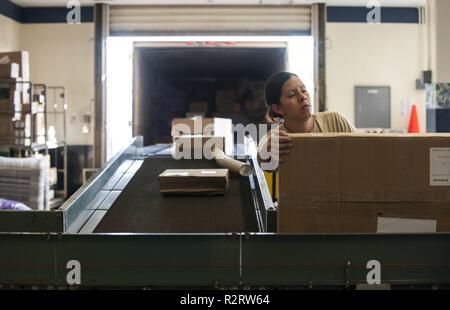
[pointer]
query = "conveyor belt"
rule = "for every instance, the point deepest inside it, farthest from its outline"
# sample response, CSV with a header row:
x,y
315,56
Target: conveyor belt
x,y
39,244
141,208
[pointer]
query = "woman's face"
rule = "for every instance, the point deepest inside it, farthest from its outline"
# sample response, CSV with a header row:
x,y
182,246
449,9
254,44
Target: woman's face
x,y
294,101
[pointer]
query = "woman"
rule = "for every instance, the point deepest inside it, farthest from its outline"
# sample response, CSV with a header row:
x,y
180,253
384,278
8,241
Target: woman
x,y
290,107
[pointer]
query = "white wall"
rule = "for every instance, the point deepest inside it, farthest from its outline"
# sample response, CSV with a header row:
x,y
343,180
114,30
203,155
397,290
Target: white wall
x,y
63,55
441,23
9,34
375,55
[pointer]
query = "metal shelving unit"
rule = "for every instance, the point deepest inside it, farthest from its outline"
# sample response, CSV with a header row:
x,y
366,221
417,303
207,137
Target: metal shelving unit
x,y
29,133
21,140
24,120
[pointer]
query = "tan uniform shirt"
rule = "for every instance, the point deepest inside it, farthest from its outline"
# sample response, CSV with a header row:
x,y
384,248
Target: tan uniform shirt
x,y
323,122
327,122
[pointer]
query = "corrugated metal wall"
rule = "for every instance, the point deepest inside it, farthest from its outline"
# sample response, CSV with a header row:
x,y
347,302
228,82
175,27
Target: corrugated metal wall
x,y
166,20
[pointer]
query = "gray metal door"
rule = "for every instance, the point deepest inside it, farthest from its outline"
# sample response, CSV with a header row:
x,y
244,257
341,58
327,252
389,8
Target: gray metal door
x,y
372,106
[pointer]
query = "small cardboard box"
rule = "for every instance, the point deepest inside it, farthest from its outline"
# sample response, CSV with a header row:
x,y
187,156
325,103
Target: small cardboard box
x,y
198,106
194,181
197,146
22,58
346,182
9,71
221,127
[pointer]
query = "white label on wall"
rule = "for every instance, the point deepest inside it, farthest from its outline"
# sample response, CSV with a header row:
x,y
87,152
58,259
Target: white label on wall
x,y
400,225
439,166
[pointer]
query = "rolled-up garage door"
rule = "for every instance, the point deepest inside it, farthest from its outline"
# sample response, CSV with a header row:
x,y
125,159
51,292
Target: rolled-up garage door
x,y
197,20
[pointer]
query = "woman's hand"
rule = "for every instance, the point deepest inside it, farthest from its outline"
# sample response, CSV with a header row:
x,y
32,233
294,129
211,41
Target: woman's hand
x,y
279,142
273,145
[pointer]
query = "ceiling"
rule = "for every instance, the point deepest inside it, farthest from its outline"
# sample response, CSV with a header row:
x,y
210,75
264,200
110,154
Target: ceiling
x,y
62,3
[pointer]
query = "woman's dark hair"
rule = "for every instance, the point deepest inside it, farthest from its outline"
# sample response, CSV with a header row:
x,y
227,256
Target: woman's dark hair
x,y
272,91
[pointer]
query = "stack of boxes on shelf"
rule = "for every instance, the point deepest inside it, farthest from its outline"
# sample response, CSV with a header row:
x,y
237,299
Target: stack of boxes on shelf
x,y
9,101
22,130
255,104
243,103
16,107
225,99
197,108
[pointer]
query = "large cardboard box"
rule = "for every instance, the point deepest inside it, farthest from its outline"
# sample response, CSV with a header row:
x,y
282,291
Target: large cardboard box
x,y
221,127
359,182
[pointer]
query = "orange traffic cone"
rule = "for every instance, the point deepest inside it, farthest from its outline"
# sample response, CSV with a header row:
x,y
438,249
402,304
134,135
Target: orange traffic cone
x,y
413,121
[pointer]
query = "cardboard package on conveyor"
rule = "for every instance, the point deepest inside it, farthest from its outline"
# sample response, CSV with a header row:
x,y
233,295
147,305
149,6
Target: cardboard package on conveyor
x,y
365,183
25,180
217,127
194,181
196,146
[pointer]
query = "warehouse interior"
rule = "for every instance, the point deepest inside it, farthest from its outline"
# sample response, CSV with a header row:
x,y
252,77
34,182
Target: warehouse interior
x,y
92,96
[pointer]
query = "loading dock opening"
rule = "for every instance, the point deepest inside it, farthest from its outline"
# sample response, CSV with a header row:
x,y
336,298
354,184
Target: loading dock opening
x,y
225,78
232,61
